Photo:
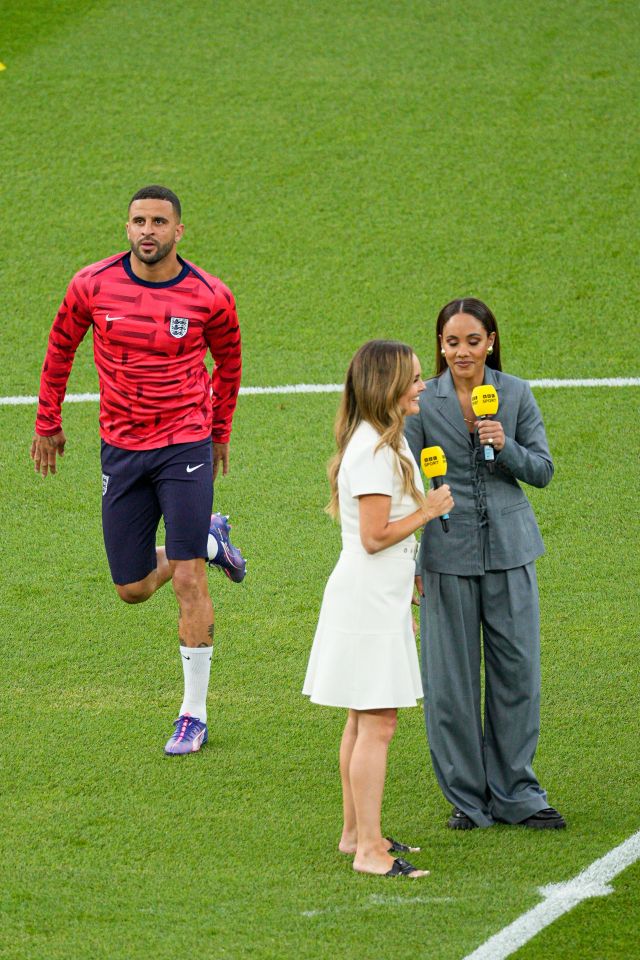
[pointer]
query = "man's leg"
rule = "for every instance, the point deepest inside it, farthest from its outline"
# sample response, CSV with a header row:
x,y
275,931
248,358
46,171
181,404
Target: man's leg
x,y
195,633
185,497
130,517
138,487
141,590
191,587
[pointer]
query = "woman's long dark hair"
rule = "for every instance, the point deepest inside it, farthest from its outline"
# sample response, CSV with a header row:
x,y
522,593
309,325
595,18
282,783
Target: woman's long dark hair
x,y
477,309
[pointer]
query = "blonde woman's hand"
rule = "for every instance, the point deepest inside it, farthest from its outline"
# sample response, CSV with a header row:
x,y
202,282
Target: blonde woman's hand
x,y
439,501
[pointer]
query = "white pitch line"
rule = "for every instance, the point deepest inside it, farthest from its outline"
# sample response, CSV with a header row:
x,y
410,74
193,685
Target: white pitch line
x,y
377,900
295,388
559,898
336,388
589,382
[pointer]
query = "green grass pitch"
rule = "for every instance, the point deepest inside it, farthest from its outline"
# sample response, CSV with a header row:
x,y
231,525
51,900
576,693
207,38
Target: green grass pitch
x,y
347,169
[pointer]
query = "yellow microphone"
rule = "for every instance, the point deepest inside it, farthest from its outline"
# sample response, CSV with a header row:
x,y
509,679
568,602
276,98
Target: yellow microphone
x,y
484,401
434,466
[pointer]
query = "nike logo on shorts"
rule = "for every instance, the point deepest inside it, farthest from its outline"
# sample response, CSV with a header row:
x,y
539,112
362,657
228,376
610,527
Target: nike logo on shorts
x,y
109,319
197,467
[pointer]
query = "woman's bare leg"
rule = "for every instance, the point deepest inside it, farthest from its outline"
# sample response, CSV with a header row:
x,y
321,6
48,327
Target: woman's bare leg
x,y
349,838
367,774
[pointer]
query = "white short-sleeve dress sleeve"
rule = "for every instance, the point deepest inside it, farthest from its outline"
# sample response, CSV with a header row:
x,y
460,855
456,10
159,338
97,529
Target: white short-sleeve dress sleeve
x,y
364,651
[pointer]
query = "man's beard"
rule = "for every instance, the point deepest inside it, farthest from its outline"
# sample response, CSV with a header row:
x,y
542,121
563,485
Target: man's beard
x,y
155,256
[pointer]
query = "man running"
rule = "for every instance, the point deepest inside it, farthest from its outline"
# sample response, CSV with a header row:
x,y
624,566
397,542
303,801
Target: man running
x,y
164,423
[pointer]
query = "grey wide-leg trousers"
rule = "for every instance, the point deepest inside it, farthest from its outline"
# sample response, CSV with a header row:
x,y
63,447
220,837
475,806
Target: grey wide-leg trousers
x,y
487,772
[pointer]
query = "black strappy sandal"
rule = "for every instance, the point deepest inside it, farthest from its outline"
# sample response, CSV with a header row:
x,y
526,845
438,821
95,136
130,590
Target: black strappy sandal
x,y
401,868
397,847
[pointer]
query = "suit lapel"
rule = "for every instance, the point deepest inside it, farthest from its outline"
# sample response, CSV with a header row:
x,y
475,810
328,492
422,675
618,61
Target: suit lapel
x,y
490,377
449,405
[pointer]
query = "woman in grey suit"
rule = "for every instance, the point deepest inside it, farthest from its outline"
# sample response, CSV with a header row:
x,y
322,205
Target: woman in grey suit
x,y
479,579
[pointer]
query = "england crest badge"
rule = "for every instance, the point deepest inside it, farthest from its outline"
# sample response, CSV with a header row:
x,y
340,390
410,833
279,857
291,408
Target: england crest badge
x,y
105,483
178,326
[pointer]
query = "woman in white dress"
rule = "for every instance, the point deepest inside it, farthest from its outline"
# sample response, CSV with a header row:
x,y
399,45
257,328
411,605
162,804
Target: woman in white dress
x,y
364,653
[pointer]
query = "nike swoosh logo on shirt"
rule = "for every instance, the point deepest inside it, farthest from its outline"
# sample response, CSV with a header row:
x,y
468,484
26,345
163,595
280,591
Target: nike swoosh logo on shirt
x,y
197,467
108,318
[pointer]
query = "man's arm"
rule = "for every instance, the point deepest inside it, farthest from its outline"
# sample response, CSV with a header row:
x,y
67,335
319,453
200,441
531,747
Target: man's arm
x,y
222,333
69,327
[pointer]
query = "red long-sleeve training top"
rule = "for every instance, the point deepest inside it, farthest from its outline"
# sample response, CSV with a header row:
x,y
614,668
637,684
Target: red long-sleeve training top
x,y
149,344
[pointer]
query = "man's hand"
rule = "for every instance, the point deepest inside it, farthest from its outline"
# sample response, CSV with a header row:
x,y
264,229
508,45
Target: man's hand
x,y
44,451
220,456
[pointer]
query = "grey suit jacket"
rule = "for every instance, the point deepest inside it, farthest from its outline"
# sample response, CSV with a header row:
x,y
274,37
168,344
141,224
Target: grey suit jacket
x,y
494,501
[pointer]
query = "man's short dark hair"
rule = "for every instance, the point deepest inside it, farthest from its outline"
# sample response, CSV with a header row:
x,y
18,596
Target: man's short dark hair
x,y
155,192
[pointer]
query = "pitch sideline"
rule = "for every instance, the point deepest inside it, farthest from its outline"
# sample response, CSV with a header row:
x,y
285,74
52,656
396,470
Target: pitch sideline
x,y
337,388
559,898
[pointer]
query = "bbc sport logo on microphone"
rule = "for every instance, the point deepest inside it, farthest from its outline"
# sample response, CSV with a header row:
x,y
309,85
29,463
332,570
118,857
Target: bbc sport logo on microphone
x,y
433,462
484,401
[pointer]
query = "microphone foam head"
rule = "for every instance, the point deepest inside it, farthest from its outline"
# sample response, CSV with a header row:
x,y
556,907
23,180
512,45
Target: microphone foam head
x,y
433,462
484,400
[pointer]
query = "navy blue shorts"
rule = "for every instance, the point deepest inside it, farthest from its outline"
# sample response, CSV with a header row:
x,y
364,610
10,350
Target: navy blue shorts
x,y
139,487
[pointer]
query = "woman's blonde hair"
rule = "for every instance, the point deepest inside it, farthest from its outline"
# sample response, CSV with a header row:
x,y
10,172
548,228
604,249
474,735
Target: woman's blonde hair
x,y
379,374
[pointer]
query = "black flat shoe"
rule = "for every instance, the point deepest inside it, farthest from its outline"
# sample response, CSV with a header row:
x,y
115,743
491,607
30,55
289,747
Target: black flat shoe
x,y
402,868
547,819
397,847
459,820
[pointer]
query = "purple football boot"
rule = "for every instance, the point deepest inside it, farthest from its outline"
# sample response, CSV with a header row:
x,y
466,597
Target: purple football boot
x,y
189,735
221,551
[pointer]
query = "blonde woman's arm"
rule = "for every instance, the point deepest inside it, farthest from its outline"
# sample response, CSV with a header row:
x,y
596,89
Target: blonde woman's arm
x,y
377,532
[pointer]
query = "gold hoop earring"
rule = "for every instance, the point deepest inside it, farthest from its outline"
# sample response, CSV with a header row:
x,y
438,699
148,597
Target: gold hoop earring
x,y
490,351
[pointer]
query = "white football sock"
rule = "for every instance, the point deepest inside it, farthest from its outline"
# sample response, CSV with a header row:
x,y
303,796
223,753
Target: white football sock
x,y
212,547
196,666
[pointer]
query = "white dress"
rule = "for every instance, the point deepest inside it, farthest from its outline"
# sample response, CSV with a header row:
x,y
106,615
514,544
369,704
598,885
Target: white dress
x,y
364,651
